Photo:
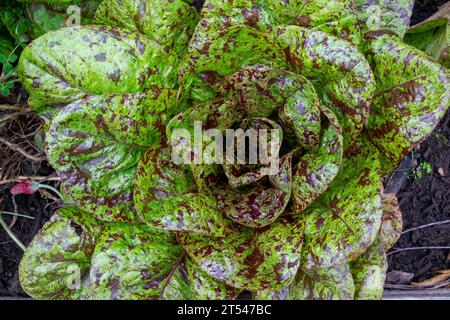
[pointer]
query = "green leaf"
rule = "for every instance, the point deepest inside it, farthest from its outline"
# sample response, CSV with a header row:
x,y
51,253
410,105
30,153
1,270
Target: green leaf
x,y
5,91
96,143
345,219
205,287
43,18
317,170
334,17
389,15
12,58
341,74
334,283
169,22
369,270
135,262
412,96
54,260
68,64
250,259
433,36
223,54
168,198
13,18
369,273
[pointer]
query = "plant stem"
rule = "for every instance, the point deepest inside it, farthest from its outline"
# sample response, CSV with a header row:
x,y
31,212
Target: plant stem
x,y
44,186
17,214
11,234
426,226
417,248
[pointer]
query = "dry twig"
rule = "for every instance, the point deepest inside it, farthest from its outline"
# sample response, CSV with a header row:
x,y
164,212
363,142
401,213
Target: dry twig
x,y
426,226
18,149
418,248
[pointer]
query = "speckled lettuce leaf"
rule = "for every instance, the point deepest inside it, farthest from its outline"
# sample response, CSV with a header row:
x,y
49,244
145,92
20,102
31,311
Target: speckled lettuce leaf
x,y
166,197
136,262
362,278
223,54
251,259
169,22
369,273
433,36
391,221
317,170
390,15
205,287
261,205
96,143
334,283
54,260
341,74
369,270
345,219
411,98
335,17
82,218
70,63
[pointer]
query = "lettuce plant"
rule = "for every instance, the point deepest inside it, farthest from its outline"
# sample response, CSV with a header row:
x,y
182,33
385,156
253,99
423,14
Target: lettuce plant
x,y
350,97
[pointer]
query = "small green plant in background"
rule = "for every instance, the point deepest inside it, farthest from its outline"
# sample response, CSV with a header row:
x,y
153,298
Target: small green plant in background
x,y
441,138
8,58
421,169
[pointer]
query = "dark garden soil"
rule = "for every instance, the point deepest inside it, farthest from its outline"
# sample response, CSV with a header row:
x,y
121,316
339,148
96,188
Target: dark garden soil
x,y
423,191
20,130
424,198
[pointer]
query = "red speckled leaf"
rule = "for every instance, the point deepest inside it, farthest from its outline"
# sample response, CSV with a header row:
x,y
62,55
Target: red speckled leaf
x,y
251,259
345,219
412,95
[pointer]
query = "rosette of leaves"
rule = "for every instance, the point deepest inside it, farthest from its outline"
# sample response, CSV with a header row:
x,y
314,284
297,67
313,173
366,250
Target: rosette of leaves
x,y
348,98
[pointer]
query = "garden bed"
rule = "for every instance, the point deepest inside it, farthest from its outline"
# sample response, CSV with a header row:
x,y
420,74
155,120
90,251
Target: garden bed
x,y
422,185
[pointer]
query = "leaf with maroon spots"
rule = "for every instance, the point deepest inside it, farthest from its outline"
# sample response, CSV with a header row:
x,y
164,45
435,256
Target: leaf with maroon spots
x,y
333,16
96,143
250,259
223,54
346,218
333,283
166,197
390,15
412,96
340,72
55,258
316,170
205,287
70,63
169,22
369,270
137,262
260,206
